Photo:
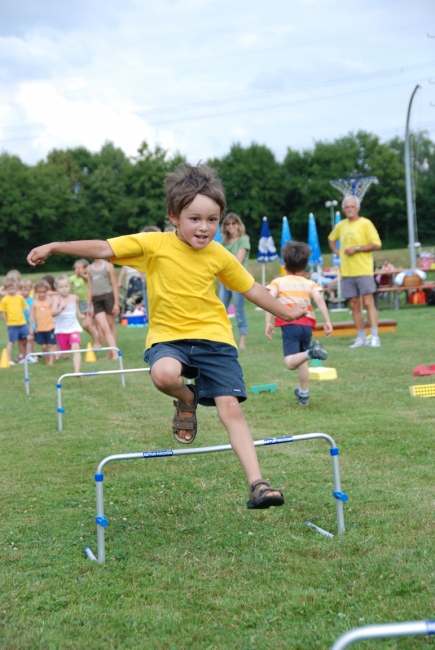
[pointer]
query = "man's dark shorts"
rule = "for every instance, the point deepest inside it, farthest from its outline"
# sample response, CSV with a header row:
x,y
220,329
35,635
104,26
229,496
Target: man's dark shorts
x,y
17,333
296,338
45,338
360,285
213,366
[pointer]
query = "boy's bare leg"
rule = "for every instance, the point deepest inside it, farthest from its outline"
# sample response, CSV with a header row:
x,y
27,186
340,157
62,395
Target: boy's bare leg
x,y
9,348
293,361
22,346
231,416
304,375
166,376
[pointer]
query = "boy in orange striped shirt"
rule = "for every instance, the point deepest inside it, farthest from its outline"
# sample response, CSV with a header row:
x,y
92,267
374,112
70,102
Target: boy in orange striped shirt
x,y
293,289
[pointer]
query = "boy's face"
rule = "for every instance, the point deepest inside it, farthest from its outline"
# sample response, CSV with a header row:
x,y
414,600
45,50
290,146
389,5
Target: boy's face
x,y
41,292
198,223
12,290
63,288
25,291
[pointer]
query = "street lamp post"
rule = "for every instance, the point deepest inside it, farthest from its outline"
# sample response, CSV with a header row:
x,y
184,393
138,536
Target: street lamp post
x,y
331,204
409,201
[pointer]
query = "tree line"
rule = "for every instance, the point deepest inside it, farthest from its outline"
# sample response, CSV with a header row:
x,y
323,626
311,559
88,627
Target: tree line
x,y
77,194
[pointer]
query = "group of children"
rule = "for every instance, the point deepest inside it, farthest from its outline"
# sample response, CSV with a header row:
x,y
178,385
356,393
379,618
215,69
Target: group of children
x,y
49,312
190,335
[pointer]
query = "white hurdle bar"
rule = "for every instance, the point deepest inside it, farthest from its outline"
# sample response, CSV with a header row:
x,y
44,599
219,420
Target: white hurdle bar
x,y
61,410
102,522
384,631
45,354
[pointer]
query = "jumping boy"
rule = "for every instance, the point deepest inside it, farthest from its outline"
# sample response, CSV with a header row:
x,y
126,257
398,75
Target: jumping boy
x,y
291,290
190,334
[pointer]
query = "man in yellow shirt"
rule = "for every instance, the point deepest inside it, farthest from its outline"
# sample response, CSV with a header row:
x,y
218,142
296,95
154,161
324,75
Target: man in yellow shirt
x,y
358,238
190,334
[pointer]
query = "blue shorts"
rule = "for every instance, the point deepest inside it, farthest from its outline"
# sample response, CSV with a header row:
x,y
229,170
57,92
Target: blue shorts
x,y
45,338
296,338
214,367
17,332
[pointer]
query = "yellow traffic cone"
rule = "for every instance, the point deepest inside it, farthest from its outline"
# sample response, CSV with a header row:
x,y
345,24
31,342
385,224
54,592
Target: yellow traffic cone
x,y
4,360
90,354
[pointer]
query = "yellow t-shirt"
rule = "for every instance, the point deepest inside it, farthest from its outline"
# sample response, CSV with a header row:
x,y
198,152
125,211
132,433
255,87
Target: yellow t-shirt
x,y
355,233
181,285
14,307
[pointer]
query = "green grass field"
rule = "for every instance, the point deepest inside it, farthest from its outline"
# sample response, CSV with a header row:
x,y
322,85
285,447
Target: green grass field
x,y
188,566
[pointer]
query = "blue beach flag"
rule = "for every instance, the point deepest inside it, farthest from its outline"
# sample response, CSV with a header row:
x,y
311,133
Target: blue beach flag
x,y
335,258
313,242
285,237
218,236
266,249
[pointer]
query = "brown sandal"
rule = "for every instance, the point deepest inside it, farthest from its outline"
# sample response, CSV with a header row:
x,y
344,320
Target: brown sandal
x,y
187,424
256,498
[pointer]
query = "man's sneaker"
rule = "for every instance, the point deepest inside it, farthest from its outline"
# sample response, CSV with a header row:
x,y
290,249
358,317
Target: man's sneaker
x,y
359,343
302,399
374,342
316,350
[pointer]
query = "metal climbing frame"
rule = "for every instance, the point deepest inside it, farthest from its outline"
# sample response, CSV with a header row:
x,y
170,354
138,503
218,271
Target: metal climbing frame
x,y
45,354
61,410
102,522
384,631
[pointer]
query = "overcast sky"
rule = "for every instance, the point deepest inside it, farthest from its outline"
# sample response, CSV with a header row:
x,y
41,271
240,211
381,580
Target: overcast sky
x,y
194,76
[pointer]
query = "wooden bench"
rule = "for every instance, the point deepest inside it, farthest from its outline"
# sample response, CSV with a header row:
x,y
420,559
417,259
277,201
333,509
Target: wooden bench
x,y
394,291
348,328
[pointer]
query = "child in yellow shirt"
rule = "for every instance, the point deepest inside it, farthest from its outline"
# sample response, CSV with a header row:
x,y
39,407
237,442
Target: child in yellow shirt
x,y
190,334
12,308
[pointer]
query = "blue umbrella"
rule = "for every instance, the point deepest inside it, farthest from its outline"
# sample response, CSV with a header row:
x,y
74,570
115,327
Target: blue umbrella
x,y
285,237
335,258
218,236
313,242
266,249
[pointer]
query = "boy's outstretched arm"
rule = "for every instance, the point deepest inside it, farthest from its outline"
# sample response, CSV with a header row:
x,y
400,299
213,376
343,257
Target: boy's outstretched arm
x,y
86,248
261,297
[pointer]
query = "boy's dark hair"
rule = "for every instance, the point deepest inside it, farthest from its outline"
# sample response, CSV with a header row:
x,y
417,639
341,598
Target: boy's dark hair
x,y
296,255
187,181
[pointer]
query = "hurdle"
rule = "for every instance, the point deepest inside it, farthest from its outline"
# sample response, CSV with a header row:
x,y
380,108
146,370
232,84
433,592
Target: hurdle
x,y
45,354
102,521
61,410
387,630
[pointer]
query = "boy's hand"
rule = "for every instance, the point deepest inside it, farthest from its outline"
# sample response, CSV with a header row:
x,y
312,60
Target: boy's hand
x,y
295,312
327,328
269,330
39,255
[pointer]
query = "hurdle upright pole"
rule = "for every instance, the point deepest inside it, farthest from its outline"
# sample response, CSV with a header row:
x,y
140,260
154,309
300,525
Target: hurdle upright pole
x,y
102,521
60,410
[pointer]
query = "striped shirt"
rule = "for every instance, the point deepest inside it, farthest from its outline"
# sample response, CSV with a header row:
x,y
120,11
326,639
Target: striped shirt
x,y
295,290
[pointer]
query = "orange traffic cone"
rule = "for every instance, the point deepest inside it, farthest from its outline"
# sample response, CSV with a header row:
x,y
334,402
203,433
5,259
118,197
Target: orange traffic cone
x,y
90,354
4,360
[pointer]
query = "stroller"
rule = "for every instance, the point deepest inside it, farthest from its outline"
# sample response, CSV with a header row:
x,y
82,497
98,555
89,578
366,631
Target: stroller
x,y
132,297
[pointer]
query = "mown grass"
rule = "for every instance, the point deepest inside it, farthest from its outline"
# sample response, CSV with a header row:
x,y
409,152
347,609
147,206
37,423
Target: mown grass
x,y
188,566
